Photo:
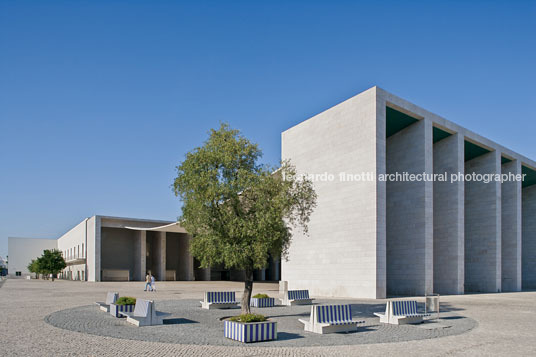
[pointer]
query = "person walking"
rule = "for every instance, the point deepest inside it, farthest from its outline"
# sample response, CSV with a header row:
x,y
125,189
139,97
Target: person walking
x,y
153,285
148,282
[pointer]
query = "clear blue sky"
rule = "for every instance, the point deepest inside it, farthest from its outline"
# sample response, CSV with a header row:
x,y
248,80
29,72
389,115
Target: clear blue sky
x,y
100,100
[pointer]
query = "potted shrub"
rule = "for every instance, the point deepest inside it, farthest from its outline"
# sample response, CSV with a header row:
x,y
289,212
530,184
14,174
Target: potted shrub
x,y
250,328
262,300
124,304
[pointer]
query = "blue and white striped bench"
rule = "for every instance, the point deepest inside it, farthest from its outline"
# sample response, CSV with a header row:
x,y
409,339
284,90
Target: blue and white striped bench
x,y
331,318
219,300
399,312
111,298
296,297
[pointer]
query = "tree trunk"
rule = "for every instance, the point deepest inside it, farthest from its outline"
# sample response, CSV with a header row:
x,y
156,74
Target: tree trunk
x,y
248,288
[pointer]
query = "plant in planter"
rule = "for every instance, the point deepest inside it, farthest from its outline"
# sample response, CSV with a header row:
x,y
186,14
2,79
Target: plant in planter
x,y
123,304
262,300
250,328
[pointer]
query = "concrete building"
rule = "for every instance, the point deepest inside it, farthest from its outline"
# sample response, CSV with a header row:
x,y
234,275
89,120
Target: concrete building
x,y
102,248
371,238
23,250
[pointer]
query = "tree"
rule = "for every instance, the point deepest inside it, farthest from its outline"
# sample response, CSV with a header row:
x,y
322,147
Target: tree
x,y
51,262
238,211
34,267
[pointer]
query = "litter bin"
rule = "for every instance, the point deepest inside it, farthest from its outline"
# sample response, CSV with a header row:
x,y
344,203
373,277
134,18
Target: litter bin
x,y
432,305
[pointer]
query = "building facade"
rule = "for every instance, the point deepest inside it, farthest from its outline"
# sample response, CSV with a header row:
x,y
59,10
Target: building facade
x,y
371,237
103,248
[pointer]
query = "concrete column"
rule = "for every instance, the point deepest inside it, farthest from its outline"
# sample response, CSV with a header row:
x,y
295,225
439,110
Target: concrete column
x,y
191,275
511,229
381,201
185,259
98,250
449,217
410,212
160,256
529,238
483,226
140,255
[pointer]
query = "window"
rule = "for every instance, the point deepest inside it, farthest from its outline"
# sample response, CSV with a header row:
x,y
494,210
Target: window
x,y
18,273
83,254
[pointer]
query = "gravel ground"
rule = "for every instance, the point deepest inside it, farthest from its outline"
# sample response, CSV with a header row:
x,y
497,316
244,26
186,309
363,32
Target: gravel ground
x,y
192,325
506,324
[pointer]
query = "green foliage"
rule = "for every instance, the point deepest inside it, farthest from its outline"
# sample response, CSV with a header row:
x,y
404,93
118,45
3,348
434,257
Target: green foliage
x,y
248,318
126,300
34,267
238,211
261,296
51,262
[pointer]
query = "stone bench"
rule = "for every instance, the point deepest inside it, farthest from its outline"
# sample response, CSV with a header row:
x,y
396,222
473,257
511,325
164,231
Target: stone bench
x,y
111,298
296,297
399,312
219,300
145,314
331,318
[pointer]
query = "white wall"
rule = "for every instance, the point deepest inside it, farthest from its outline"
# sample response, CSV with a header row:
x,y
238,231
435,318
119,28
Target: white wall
x,y
23,250
72,241
339,257
73,245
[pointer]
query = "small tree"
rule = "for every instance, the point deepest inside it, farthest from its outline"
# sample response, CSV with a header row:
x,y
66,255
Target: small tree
x,y
51,262
238,211
33,267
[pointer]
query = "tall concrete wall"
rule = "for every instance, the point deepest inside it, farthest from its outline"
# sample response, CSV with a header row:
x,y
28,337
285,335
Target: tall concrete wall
x,y
529,238
483,226
409,212
449,217
22,250
511,229
339,257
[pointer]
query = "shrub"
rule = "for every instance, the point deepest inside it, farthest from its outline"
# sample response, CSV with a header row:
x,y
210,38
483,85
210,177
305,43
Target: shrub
x,y
248,318
261,296
126,300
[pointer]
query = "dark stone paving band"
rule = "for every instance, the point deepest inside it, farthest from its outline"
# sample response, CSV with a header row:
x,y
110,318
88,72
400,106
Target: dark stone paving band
x,y
189,324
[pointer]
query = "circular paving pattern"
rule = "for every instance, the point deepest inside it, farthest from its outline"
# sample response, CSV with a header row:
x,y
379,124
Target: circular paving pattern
x,y
189,324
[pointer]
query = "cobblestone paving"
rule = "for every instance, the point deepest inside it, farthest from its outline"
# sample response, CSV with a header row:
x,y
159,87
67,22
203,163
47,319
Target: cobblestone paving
x,y
506,324
192,325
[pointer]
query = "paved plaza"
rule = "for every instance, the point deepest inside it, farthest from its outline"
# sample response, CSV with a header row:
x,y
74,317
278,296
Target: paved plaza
x,y
42,318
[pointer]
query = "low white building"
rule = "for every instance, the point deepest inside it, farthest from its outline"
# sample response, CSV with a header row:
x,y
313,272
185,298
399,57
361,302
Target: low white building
x,y
102,248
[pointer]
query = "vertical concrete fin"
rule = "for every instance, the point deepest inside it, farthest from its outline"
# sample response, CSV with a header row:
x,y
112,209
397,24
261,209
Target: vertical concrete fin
x,y
449,215
410,211
483,225
528,260
511,228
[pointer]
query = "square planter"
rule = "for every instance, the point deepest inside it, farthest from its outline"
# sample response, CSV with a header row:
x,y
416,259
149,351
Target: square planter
x,y
115,309
263,302
251,331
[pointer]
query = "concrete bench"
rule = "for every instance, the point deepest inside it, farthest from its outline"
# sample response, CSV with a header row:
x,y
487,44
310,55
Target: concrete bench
x,y
296,297
330,318
111,298
145,314
401,312
219,300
